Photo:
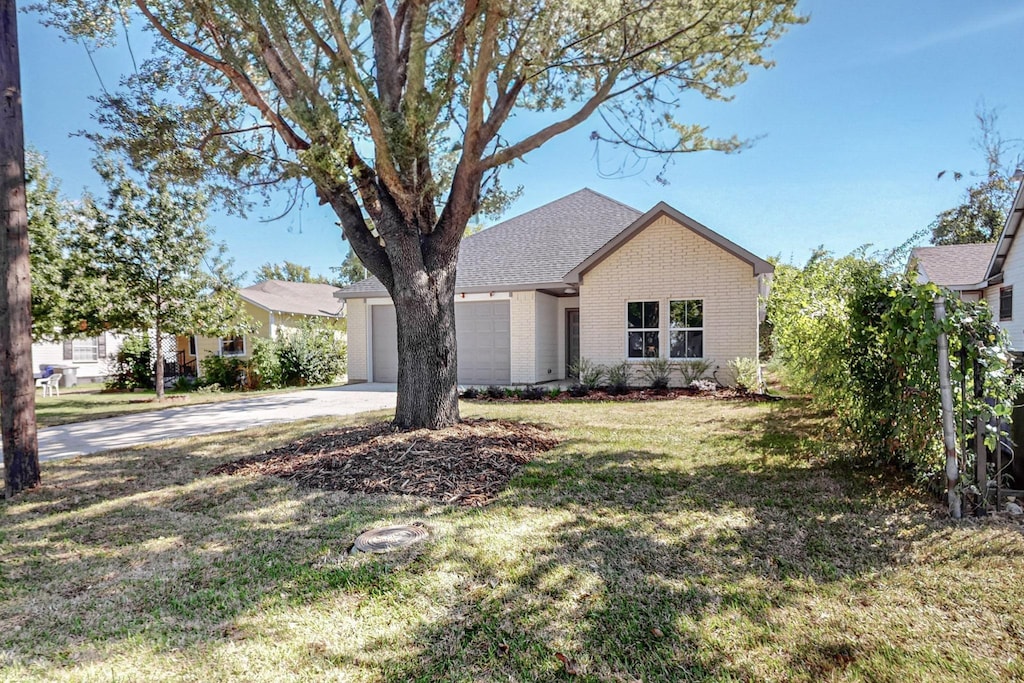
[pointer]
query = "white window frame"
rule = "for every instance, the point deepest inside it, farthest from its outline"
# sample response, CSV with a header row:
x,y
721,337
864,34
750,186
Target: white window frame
x,y
673,328
643,330
236,353
91,345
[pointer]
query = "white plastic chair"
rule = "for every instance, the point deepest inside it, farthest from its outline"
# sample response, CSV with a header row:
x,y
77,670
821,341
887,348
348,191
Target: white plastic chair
x,y
51,384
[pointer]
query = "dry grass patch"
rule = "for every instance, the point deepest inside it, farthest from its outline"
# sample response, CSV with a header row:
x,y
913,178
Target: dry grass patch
x,y
668,541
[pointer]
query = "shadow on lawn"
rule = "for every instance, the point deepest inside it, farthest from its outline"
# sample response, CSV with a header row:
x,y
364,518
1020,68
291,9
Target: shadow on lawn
x,y
658,562
647,559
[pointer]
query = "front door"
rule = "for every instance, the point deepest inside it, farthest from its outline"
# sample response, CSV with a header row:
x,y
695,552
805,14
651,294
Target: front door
x,y
572,339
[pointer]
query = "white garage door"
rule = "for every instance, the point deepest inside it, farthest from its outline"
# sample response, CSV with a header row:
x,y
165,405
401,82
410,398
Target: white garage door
x,y
482,332
385,344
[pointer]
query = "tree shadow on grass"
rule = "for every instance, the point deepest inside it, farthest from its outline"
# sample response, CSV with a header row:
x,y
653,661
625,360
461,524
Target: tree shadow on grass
x,y
657,563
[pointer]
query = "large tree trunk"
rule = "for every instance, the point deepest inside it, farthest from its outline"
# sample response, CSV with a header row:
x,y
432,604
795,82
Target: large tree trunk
x,y
17,387
428,395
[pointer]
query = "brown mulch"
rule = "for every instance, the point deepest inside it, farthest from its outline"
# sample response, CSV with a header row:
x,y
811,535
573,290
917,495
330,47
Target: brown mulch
x,y
725,394
468,464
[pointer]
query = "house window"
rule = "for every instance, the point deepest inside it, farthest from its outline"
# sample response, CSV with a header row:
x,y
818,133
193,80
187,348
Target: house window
x,y
642,325
686,328
1006,303
85,350
192,346
232,346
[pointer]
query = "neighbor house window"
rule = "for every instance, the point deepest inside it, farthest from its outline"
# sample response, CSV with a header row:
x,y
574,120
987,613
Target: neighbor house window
x,y
232,346
192,346
1006,303
85,350
686,328
642,326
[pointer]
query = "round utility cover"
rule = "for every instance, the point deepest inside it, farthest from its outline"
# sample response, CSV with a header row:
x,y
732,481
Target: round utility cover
x,y
389,538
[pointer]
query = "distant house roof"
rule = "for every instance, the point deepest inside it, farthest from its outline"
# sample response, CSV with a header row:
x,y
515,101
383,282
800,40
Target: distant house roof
x,y
299,298
954,265
544,248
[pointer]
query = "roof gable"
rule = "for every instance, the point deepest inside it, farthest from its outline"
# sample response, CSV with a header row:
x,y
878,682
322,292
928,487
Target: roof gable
x,y
759,265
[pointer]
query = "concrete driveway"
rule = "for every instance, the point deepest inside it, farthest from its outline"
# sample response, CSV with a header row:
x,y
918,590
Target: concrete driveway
x,y
172,423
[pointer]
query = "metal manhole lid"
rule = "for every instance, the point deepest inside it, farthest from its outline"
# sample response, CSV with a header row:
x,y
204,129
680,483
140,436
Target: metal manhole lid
x,y
388,538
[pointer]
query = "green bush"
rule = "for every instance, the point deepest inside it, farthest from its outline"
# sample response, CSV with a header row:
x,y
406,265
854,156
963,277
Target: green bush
x,y
265,365
310,355
226,372
133,365
692,370
656,372
618,378
587,373
747,373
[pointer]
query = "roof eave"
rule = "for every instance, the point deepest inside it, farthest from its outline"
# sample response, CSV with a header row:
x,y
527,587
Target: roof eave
x,y
759,265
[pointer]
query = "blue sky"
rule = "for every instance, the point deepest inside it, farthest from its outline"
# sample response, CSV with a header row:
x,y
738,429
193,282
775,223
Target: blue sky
x,y
867,103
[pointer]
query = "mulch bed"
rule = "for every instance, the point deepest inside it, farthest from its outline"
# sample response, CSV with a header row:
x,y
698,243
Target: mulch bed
x,y
725,394
468,464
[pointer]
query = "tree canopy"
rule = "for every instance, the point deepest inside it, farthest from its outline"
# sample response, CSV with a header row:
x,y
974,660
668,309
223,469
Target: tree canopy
x,y
288,271
982,214
400,115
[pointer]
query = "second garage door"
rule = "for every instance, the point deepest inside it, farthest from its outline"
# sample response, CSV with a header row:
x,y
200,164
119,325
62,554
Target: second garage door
x,y
483,335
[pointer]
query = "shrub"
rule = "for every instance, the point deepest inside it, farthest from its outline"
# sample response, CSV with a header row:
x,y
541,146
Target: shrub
x,y
656,372
310,355
513,392
224,371
692,370
265,364
531,393
471,392
747,373
579,390
618,378
587,373
554,393
703,385
494,391
133,365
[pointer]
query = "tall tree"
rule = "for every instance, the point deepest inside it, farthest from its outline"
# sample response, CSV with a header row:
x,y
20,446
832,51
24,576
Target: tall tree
x,y
982,214
351,269
288,271
397,113
17,387
151,248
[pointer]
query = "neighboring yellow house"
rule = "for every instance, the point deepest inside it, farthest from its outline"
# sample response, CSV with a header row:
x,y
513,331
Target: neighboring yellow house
x,y
275,306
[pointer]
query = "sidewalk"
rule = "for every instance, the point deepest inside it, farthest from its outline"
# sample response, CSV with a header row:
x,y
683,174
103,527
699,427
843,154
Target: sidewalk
x,y
83,438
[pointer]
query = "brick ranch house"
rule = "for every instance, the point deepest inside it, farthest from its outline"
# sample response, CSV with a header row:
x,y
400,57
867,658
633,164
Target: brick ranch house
x,y
582,276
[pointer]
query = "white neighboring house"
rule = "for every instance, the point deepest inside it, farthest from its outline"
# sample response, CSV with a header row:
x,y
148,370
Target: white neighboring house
x,y
90,358
983,271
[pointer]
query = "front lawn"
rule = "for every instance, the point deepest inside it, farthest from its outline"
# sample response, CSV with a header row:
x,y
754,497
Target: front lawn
x,y
661,541
90,402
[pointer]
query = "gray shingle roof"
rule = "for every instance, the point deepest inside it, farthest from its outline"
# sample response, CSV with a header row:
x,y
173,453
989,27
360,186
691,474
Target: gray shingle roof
x,y
954,264
539,247
301,298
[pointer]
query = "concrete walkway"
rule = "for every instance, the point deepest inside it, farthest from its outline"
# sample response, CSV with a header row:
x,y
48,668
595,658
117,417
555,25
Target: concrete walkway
x,y
173,423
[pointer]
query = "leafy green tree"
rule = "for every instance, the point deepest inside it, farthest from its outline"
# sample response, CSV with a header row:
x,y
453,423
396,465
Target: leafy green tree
x,y
396,113
982,214
49,221
351,270
152,250
290,272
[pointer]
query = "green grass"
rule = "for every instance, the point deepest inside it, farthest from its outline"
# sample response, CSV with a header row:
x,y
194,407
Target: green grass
x,y
89,402
667,541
